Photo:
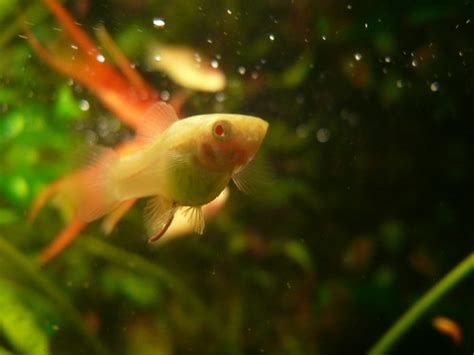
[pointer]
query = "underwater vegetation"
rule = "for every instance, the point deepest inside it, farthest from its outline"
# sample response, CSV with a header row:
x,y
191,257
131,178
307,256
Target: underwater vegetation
x,y
361,243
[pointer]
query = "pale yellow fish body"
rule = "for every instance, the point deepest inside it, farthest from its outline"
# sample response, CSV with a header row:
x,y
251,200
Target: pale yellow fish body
x,y
187,165
186,67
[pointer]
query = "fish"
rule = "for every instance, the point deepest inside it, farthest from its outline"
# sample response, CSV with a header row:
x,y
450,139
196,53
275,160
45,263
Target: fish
x,y
186,67
448,327
124,93
185,166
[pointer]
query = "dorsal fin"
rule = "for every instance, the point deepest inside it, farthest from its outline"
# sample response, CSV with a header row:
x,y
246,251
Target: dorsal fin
x,y
158,117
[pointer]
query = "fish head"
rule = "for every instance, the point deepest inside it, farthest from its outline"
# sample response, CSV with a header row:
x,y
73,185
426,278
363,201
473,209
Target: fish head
x,y
230,141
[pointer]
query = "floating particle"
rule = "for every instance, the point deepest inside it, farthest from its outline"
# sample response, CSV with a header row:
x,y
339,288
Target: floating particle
x,y
414,63
214,64
220,97
165,95
271,36
158,22
388,59
399,84
324,38
434,86
358,56
323,135
157,58
349,7
84,105
241,70
229,11
100,58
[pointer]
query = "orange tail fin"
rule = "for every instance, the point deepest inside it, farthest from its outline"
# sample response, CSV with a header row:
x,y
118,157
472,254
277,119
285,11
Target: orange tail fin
x,y
62,240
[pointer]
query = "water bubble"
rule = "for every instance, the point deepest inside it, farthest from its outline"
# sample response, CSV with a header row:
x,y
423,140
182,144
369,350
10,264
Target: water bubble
x,y
214,64
157,58
84,105
358,56
165,95
241,70
158,22
100,58
323,135
271,36
434,86
220,97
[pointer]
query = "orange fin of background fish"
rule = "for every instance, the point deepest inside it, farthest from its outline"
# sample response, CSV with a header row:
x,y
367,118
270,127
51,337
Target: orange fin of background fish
x,y
159,117
159,213
116,215
118,93
62,240
448,327
76,34
120,59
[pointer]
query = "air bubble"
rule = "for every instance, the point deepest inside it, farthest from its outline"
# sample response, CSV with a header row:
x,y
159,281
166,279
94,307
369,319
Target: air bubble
x,y
165,95
159,22
84,105
434,86
323,135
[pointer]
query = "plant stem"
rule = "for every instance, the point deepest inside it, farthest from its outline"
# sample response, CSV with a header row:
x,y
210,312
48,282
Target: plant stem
x,y
408,319
35,276
137,263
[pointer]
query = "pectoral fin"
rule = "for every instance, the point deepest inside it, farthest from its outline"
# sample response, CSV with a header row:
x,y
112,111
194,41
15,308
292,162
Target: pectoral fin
x,y
159,213
196,218
255,177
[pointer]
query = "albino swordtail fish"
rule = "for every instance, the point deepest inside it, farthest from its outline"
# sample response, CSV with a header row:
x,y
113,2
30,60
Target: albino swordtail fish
x,y
185,166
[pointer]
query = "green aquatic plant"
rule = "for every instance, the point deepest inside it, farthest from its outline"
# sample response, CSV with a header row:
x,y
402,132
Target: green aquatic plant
x,y
458,274
32,274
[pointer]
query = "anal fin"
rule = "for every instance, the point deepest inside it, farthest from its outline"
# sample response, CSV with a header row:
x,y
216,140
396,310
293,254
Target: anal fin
x,y
159,213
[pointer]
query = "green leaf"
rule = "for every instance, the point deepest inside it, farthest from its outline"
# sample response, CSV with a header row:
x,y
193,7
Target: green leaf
x,y
18,324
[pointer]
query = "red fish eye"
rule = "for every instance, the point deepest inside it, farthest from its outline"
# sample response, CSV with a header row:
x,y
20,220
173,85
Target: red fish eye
x,y
219,130
222,130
